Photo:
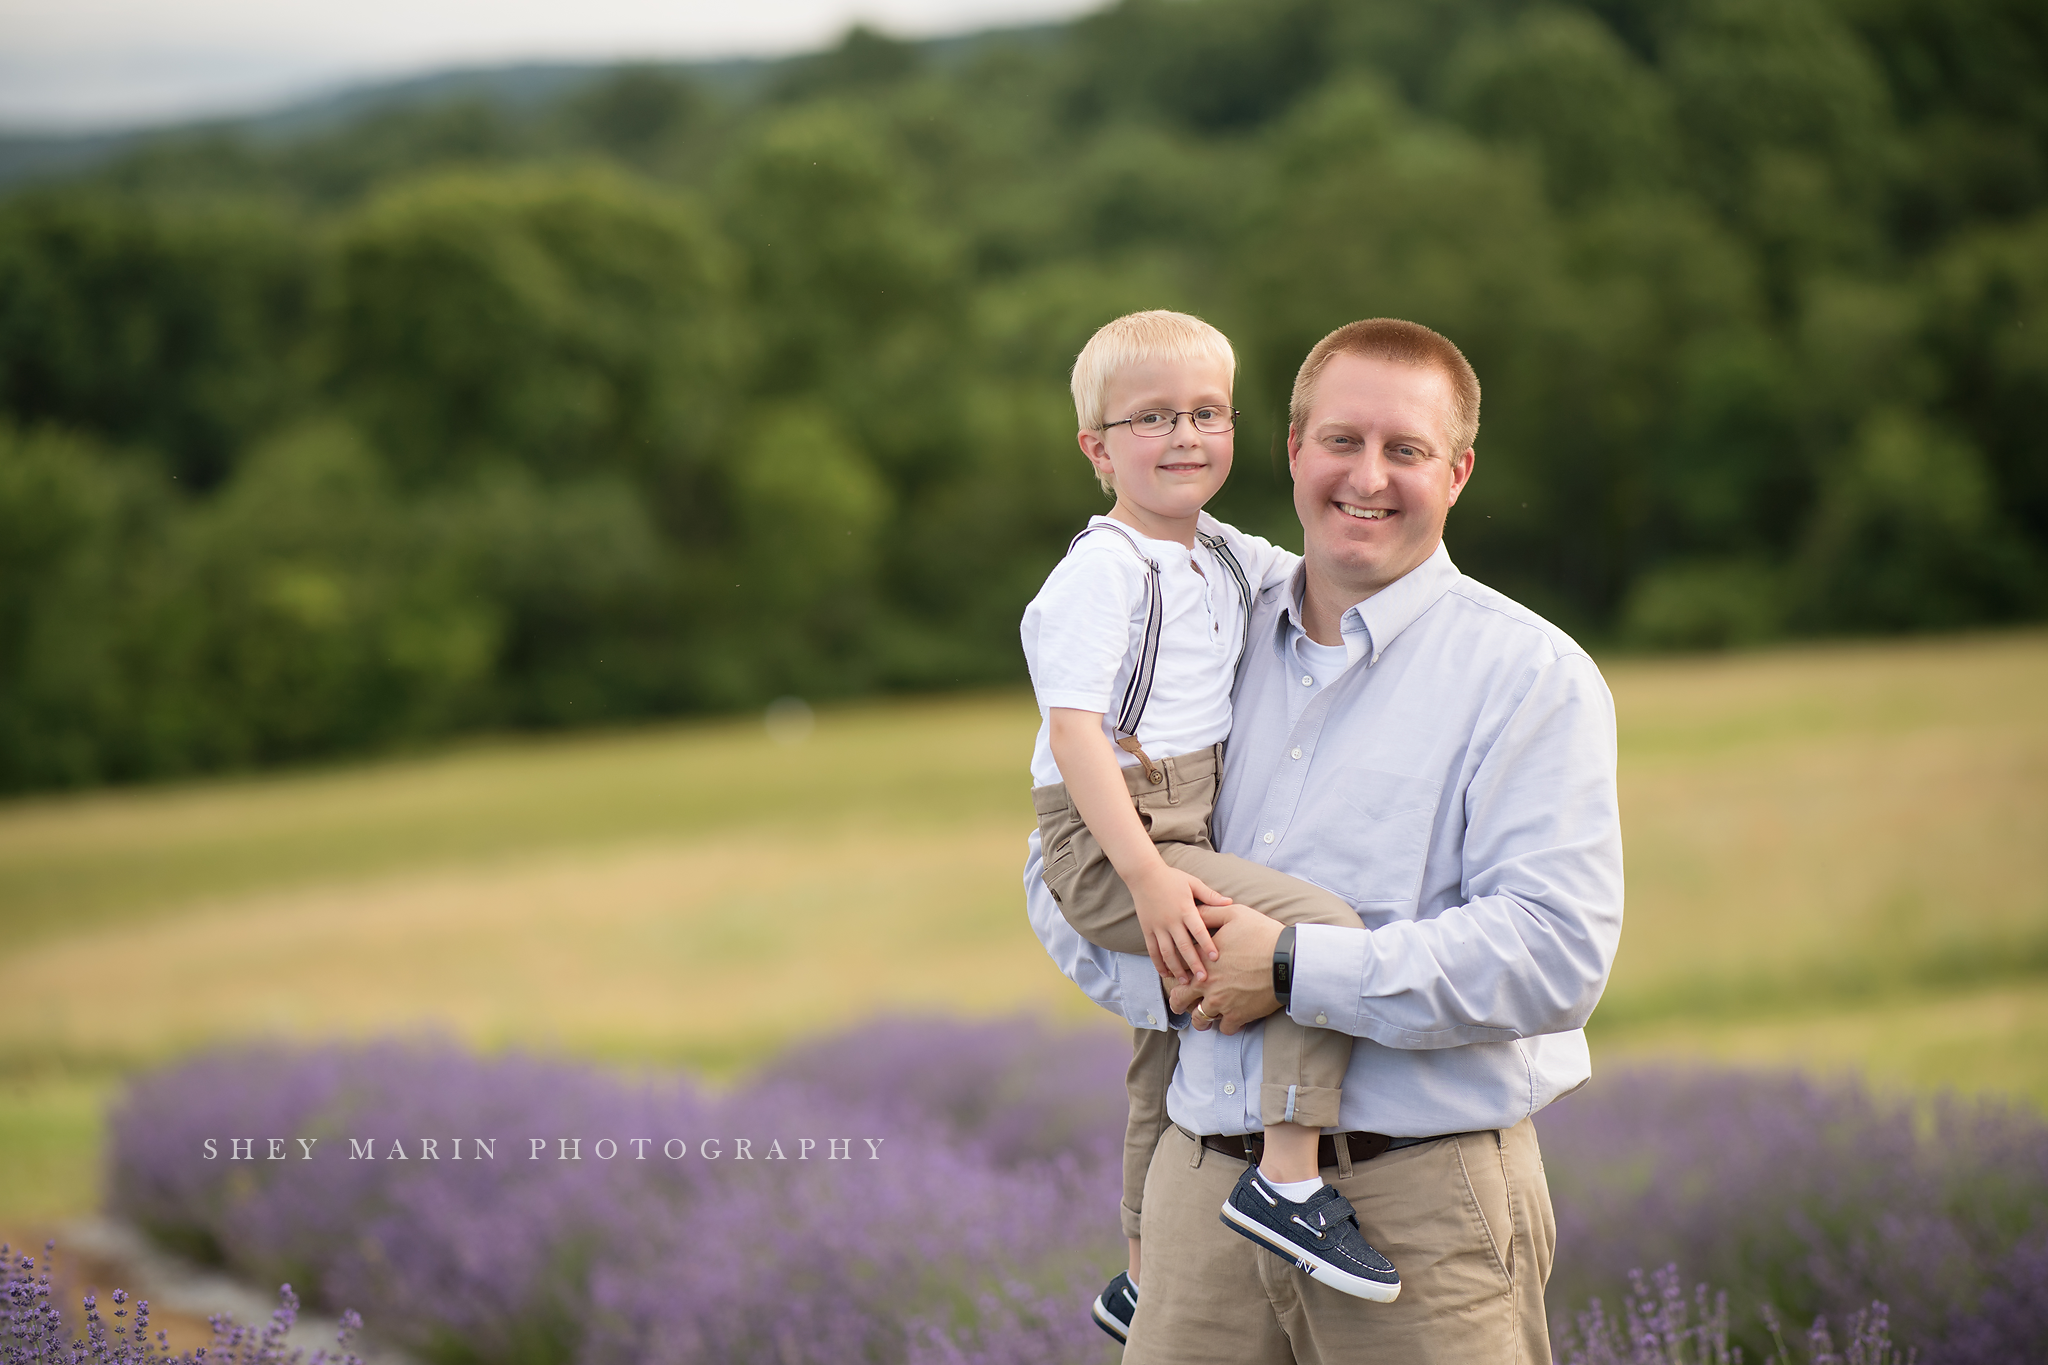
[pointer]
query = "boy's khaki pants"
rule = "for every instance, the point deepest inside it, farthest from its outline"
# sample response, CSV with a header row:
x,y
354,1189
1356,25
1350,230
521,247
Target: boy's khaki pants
x,y
1304,1067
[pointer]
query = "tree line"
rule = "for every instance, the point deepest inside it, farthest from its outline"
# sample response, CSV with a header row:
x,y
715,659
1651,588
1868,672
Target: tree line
x,y
673,396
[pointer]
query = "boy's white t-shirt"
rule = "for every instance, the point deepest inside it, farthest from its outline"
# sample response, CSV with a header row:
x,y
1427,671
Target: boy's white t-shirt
x,y
1081,636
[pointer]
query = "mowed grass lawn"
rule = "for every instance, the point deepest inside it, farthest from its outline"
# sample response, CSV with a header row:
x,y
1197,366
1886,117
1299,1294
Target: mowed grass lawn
x,y
1836,857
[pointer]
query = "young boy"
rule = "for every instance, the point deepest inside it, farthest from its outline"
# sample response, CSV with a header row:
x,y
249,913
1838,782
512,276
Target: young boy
x,y
1133,645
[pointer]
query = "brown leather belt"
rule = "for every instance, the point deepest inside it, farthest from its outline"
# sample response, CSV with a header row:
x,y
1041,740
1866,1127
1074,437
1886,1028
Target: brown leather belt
x,y
1363,1146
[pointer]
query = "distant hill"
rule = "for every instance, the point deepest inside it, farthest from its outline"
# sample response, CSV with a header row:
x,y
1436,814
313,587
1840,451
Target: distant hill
x,y
521,86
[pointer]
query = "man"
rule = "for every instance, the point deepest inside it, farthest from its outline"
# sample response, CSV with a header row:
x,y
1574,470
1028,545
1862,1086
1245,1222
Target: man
x,y
1443,760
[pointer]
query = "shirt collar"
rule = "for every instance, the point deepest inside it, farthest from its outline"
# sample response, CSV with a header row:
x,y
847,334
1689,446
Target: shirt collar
x,y
1370,626
1205,525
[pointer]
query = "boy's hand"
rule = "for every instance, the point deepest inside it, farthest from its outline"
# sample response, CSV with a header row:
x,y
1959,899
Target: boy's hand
x,y
1240,988
1170,904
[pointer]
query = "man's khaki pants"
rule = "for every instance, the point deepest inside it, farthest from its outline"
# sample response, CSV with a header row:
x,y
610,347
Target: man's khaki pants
x,y
1466,1220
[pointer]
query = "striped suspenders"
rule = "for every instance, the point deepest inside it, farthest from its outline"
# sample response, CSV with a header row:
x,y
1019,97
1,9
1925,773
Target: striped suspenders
x,y
1139,690
1244,587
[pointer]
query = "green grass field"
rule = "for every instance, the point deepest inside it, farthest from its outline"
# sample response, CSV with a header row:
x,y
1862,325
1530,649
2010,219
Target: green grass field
x,y
1836,858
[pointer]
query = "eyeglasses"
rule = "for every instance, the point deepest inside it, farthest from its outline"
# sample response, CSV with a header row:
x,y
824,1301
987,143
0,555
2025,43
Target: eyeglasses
x,y
1161,421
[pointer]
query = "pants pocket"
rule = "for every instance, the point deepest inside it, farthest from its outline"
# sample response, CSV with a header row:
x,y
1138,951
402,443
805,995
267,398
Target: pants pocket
x,y
1058,869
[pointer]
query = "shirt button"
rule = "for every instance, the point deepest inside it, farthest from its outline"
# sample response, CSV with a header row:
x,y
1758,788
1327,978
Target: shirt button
x,y
1322,1021
1294,752
1152,1019
1229,1089
1307,681
1268,836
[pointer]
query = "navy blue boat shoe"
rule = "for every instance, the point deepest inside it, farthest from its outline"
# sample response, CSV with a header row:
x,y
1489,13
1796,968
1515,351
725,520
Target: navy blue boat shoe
x,y
1115,1305
1320,1235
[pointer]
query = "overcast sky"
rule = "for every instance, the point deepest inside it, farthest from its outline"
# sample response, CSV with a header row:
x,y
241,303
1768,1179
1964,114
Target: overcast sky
x,y
68,64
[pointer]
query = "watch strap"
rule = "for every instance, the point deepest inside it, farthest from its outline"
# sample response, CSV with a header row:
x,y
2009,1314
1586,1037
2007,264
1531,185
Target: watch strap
x,y
1283,966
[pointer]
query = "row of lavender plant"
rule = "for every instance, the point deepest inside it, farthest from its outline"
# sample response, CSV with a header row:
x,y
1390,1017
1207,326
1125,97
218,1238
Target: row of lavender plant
x,y
994,1174
33,1330
1816,1198
980,1233
1660,1325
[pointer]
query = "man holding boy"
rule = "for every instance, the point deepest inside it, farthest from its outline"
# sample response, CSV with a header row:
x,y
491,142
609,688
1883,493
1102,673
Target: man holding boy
x,y
1443,760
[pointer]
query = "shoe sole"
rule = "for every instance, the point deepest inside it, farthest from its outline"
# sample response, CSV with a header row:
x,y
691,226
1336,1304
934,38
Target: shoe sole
x,y
1107,1321
1343,1281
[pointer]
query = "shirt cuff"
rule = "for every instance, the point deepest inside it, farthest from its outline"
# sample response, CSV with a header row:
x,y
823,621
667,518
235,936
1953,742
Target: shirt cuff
x,y
1329,962
1140,994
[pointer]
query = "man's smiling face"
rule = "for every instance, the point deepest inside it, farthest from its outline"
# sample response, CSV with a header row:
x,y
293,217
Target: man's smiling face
x,y
1374,472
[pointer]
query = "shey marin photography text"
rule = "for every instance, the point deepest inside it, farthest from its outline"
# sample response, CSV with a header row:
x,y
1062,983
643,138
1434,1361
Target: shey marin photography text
x,y
543,1149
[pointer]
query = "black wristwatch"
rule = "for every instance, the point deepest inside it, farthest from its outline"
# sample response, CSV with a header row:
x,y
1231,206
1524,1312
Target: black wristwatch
x,y
1283,966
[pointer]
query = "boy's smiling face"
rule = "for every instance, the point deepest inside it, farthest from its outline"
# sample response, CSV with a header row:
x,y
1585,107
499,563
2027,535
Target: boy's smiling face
x,y
1162,481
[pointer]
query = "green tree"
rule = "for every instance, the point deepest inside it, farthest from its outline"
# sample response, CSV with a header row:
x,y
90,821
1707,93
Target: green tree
x,y
1787,126
170,326
1987,338
863,60
309,611
638,113
82,536
1211,65
1908,536
1561,83
569,322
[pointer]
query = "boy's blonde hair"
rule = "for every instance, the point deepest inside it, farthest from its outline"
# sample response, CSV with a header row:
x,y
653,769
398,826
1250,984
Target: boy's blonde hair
x,y
1133,338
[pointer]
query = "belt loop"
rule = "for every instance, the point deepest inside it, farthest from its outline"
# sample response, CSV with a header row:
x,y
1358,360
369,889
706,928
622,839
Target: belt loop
x,y
1173,782
1342,1142
1195,1163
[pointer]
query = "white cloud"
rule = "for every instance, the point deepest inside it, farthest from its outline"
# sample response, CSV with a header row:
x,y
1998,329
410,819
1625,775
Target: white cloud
x,y
111,62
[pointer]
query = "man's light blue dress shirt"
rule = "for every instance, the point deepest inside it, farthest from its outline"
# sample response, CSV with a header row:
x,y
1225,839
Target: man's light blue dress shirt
x,y
1455,785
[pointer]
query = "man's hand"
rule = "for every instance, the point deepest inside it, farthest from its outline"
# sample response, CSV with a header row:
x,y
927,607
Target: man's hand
x,y
1170,907
1240,986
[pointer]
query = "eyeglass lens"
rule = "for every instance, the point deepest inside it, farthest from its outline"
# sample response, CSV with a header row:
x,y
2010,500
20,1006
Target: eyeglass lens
x,y
1159,421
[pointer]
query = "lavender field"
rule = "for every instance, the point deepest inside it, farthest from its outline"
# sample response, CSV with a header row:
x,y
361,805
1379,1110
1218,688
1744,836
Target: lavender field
x,y
919,1191
1834,870
931,1190
1834,862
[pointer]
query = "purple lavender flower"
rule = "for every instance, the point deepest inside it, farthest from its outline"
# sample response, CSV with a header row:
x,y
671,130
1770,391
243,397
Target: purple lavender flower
x,y
1816,1198
32,1328
787,1253
1660,1325
2010,1321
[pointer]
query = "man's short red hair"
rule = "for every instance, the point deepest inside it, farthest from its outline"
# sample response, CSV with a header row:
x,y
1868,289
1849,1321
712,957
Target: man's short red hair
x,y
1402,343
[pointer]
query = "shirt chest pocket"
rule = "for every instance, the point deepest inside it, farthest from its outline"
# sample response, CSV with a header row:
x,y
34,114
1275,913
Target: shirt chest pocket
x,y
1365,836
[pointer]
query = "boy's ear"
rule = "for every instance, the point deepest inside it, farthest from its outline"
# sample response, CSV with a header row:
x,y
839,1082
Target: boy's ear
x,y
1093,447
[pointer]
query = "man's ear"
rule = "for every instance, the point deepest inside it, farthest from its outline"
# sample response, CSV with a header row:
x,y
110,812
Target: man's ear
x,y
1461,473
1293,448
1093,446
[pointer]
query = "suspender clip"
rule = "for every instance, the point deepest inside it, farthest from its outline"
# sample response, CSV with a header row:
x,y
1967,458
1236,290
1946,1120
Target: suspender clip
x,y
1153,772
